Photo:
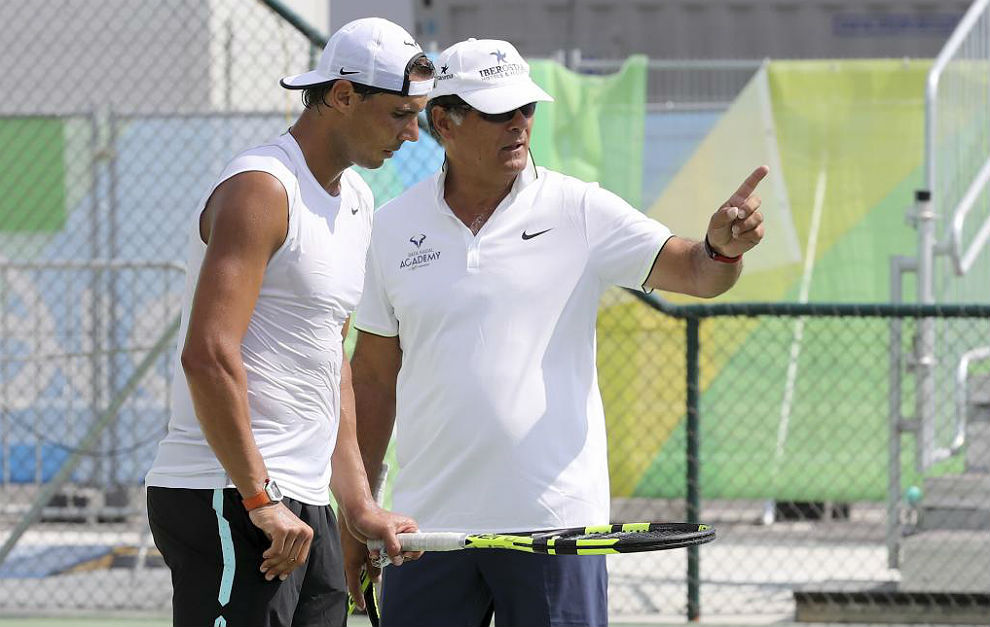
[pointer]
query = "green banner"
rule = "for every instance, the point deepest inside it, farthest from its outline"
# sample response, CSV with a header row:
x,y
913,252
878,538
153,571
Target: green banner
x,y
844,142
32,174
594,128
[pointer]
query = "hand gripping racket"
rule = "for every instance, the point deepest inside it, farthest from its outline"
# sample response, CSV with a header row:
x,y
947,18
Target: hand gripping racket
x,y
597,540
367,586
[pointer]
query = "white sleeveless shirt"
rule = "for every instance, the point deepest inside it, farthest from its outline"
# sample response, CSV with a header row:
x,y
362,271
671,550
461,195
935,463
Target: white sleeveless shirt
x,y
292,348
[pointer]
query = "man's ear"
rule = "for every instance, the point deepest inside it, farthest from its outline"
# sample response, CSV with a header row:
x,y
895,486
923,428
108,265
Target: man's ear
x,y
342,96
442,122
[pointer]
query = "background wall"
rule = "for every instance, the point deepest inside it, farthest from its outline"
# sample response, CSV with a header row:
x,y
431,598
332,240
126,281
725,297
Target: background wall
x,y
698,29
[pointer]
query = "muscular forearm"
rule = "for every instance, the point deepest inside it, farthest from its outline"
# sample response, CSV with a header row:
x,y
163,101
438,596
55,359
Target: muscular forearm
x,y
349,482
218,387
375,404
377,410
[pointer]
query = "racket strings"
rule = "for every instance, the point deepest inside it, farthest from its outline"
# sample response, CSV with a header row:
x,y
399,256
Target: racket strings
x,y
629,535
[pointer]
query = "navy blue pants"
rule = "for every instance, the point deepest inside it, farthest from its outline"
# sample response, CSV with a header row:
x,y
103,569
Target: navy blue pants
x,y
464,589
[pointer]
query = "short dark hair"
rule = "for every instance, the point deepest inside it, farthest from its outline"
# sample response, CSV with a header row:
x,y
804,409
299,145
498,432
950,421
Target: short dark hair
x,y
419,67
451,101
317,94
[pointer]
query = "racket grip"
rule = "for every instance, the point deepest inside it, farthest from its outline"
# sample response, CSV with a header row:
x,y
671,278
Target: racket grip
x,y
440,541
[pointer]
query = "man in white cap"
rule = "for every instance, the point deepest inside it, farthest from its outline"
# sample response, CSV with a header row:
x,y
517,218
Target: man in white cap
x,y
238,496
477,339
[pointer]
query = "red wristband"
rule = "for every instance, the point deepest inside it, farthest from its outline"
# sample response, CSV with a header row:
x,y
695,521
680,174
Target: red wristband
x,y
718,257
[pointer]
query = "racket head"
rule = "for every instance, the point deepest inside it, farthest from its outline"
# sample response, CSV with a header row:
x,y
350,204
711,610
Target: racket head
x,y
370,595
621,538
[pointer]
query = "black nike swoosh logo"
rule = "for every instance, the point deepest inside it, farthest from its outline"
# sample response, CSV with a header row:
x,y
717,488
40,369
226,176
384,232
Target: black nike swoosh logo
x,y
354,211
410,43
344,72
526,235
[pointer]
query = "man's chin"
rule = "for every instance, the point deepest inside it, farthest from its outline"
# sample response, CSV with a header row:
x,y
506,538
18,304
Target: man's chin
x,y
371,164
515,164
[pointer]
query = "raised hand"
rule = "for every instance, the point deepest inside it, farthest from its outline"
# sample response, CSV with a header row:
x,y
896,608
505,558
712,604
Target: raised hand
x,y
737,226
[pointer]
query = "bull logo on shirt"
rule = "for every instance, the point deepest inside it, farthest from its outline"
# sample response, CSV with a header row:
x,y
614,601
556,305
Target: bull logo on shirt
x,y
421,257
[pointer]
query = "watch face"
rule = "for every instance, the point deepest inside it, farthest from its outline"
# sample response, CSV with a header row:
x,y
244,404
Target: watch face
x,y
271,489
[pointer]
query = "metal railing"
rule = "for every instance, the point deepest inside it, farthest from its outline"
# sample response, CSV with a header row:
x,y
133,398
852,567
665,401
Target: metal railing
x,y
964,123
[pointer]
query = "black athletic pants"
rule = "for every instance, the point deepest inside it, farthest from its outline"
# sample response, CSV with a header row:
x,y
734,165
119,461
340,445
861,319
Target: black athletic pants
x,y
214,553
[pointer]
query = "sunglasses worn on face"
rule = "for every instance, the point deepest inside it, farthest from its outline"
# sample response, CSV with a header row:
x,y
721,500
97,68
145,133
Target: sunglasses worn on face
x,y
501,118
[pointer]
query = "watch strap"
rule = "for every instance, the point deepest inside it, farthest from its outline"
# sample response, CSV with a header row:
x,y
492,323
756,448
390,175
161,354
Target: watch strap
x,y
258,500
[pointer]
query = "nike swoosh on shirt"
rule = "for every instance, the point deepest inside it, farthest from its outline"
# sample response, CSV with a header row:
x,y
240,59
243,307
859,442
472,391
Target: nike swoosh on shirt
x,y
354,211
526,235
344,72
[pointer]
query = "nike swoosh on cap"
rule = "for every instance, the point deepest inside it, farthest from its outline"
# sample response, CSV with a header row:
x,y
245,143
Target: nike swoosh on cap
x,y
526,235
344,72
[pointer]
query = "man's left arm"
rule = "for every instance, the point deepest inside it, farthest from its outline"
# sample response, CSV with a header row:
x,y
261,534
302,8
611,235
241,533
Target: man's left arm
x,y
709,269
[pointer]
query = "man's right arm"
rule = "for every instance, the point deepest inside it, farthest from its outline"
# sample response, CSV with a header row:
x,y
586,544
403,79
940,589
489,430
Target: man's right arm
x,y
243,224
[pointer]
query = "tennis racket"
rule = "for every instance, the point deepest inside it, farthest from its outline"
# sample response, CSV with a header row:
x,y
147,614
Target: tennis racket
x,y
367,586
597,540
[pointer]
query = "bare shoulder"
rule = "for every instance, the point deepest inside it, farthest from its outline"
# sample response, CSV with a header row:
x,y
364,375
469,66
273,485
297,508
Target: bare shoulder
x,y
251,207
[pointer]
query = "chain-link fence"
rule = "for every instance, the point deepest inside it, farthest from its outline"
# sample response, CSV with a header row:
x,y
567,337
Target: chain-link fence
x,y
789,428
115,119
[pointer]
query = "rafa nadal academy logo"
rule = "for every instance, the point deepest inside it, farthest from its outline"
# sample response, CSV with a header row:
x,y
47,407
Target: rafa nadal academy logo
x,y
420,257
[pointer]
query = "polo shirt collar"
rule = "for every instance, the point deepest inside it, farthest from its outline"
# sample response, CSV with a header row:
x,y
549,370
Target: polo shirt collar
x,y
523,179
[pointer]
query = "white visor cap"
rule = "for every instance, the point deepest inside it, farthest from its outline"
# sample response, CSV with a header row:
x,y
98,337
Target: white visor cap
x,y
371,51
488,74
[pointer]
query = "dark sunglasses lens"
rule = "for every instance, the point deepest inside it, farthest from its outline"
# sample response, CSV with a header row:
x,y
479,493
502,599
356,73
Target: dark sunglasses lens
x,y
501,118
497,118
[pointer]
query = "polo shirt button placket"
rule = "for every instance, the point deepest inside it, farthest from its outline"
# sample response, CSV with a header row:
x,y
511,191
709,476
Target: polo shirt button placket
x,y
474,256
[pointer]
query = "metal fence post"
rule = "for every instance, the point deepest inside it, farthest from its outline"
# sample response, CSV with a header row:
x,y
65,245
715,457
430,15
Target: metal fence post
x,y
693,465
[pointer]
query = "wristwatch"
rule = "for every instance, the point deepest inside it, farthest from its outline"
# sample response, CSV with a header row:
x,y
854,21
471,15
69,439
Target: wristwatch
x,y
715,256
268,495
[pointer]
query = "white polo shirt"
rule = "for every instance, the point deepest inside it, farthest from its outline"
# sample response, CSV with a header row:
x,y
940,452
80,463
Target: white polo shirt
x,y
499,420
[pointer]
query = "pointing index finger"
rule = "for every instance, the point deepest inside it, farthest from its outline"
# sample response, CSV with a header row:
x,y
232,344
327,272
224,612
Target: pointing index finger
x,y
749,185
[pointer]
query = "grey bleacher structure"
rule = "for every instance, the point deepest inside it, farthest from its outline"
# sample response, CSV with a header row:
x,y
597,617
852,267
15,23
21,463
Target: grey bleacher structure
x,y
698,29
953,519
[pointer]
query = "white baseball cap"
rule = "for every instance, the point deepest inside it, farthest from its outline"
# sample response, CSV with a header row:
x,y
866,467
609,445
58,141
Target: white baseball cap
x,y
488,74
371,51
